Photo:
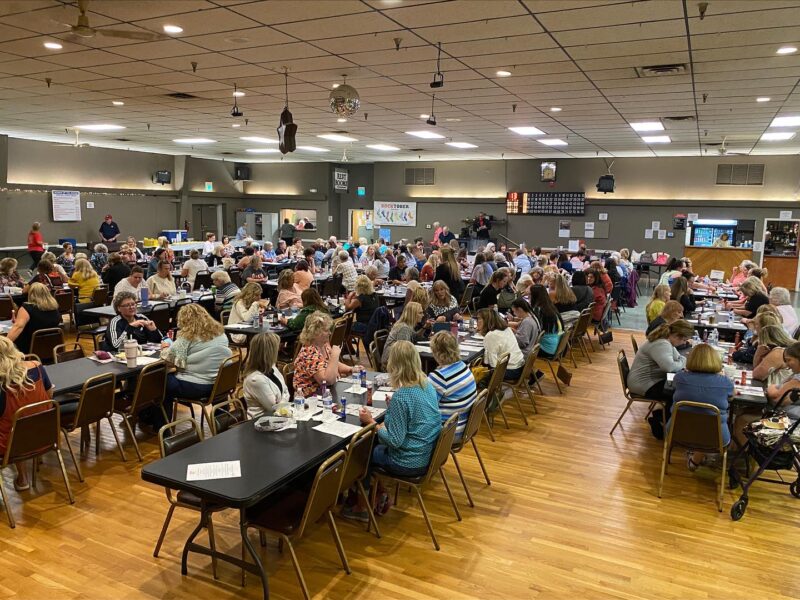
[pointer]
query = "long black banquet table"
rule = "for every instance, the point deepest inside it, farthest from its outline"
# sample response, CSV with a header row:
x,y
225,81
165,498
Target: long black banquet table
x,y
71,375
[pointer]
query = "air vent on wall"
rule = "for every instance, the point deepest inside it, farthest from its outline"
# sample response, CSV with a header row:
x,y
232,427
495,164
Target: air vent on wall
x,y
662,70
740,174
181,96
420,176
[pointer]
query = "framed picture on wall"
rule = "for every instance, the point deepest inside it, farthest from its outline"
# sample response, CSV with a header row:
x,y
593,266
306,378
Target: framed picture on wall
x,y
548,171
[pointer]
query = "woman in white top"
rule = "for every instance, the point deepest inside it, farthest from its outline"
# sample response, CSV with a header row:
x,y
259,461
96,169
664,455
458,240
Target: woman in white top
x,y
246,306
193,266
368,257
779,298
263,386
162,285
498,338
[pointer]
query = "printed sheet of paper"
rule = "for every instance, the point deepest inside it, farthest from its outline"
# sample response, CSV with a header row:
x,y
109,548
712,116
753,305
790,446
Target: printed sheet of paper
x,y
338,428
228,469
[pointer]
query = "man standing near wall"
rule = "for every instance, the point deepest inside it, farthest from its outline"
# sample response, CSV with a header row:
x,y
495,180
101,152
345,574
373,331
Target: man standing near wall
x,y
109,230
287,232
482,225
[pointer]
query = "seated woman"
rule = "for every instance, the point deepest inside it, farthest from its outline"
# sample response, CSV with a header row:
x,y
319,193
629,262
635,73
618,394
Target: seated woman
x,y
600,296
129,323
498,339
85,280
429,268
772,341
443,307
523,286
405,328
489,295
193,266
526,326
39,312
453,381
679,291
162,285
268,254
657,357
66,260
288,291
753,291
263,385
367,257
412,424
46,275
481,273
246,305
779,298
134,246
671,312
254,273
303,278
9,277
317,362
227,291
549,320
603,276
21,383
702,382
674,269
198,353
583,293
226,249
115,272
364,301
99,258
661,294
312,302
561,294
776,392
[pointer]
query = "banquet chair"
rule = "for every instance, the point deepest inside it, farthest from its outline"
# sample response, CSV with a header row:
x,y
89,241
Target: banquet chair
x,y
495,389
224,387
149,392
356,465
476,413
523,383
44,342
66,352
624,370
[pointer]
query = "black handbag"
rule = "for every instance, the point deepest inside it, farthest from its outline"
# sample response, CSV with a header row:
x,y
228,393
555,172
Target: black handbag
x,y
606,337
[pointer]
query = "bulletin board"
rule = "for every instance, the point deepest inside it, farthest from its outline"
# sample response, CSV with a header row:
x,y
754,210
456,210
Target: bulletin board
x,y
66,205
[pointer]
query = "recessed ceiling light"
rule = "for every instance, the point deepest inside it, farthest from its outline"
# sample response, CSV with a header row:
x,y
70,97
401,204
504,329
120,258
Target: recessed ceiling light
x,y
172,29
553,142
656,139
527,130
425,134
777,136
99,127
53,46
384,147
258,140
503,73
462,145
238,93
194,141
785,122
262,150
424,116
341,120
555,109
335,85
648,126
236,125
763,99
786,50
313,149
335,137
117,103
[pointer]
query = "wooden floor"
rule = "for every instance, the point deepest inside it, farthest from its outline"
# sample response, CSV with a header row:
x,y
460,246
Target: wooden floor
x,y
571,513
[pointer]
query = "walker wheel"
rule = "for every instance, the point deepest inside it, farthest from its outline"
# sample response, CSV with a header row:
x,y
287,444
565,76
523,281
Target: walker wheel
x,y
794,488
738,508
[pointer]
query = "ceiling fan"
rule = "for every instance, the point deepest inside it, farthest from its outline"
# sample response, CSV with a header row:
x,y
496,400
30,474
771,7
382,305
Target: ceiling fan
x,y
721,148
77,143
82,29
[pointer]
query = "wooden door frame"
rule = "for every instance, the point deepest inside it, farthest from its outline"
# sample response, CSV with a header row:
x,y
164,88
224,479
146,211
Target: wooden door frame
x,y
762,254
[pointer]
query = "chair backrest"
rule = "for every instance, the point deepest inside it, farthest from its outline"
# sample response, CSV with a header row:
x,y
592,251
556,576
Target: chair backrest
x,y
65,300
6,308
224,316
202,279
359,453
498,374
236,276
224,415
339,330
473,420
332,286
607,309
324,491
624,370
441,451
179,439
66,352
44,341
697,426
469,290
581,326
563,343
530,364
100,295
635,344
288,376
380,340
159,315
227,380
97,399
150,387
34,431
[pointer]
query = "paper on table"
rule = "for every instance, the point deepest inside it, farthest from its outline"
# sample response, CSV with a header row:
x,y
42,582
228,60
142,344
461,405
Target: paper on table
x,y
214,470
380,396
355,389
239,326
353,409
308,415
338,428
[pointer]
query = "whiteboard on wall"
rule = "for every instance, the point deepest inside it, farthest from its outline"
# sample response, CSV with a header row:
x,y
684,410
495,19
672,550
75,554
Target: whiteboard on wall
x,y
66,205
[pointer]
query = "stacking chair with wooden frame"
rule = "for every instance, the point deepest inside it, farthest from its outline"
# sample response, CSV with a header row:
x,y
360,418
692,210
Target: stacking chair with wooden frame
x,y
288,376
96,403
561,350
66,352
496,387
149,392
469,291
356,465
66,304
635,345
699,430
599,328
579,331
224,415
44,342
476,413
6,308
339,333
34,433
523,383
288,514
95,331
624,370
438,459
224,388
169,445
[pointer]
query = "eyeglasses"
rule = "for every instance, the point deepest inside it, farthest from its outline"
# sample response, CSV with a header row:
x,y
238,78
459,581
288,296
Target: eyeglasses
x,y
127,305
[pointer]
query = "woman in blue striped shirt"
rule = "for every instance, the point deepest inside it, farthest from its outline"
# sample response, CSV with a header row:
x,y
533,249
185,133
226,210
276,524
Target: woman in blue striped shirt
x,y
453,381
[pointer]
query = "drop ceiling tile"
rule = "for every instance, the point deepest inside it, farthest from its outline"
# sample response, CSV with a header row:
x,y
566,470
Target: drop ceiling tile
x,y
152,50
285,11
458,11
482,30
318,29
86,58
200,22
50,20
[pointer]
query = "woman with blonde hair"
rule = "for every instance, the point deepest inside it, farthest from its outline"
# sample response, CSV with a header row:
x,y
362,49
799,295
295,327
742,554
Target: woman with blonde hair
x,y
405,328
449,272
317,362
39,312
363,301
162,284
247,305
22,383
288,291
755,295
661,295
453,380
410,428
563,297
167,252
198,353
263,384
255,273
524,285
428,271
657,357
772,341
85,278
8,274
443,306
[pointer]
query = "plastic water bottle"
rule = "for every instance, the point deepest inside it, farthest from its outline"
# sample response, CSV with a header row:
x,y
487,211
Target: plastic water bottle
x,y
695,338
343,402
713,338
327,407
363,373
202,289
299,403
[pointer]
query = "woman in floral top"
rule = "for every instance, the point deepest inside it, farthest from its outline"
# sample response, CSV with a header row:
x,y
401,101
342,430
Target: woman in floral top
x,y
317,362
67,259
8,273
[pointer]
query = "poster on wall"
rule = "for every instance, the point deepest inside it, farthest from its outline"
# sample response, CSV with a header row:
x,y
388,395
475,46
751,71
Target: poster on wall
x,y
397,214
66,205
340,180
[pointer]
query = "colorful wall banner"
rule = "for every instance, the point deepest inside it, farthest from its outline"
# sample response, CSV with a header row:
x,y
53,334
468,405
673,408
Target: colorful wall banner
x,y
397,214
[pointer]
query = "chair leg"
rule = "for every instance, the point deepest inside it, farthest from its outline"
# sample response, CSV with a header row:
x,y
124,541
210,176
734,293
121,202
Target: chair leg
x,y
450,493
6,505
555,377
463,481
116,438
262,539
723,474
64,475
72,454
519,405
489,425
338,541
572,357
96,439
371,513
627,406
212,544
297,570
427,518
164,530
480,461
125,419
664,468
531,397
503,413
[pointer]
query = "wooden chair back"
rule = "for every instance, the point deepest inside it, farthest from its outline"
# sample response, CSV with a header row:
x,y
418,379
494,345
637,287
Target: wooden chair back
x,y
226,414
696,426
66,352
34,431
65,300
96,401
44,341
6,308
150,388
324,491
473,420
359,453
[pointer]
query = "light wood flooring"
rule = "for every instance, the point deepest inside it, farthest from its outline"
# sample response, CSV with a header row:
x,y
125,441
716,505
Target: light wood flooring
x,y
571,513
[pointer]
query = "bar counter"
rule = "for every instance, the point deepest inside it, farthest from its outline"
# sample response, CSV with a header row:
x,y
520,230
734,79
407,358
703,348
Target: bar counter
x,y
705,259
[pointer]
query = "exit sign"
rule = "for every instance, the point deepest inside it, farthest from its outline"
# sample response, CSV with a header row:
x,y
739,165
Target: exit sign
x,y
361,191
209,186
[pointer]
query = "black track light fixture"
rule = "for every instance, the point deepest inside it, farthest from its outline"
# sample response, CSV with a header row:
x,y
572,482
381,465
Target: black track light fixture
x,y
438,77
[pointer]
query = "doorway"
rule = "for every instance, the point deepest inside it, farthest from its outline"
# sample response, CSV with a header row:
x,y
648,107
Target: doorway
x,y
359,224
205,218
780,255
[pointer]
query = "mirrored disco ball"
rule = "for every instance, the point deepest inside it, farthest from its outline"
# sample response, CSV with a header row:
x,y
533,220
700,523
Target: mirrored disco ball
x,y
344,101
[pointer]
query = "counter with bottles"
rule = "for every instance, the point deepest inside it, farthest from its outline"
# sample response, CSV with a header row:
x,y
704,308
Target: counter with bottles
x,y
704,259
